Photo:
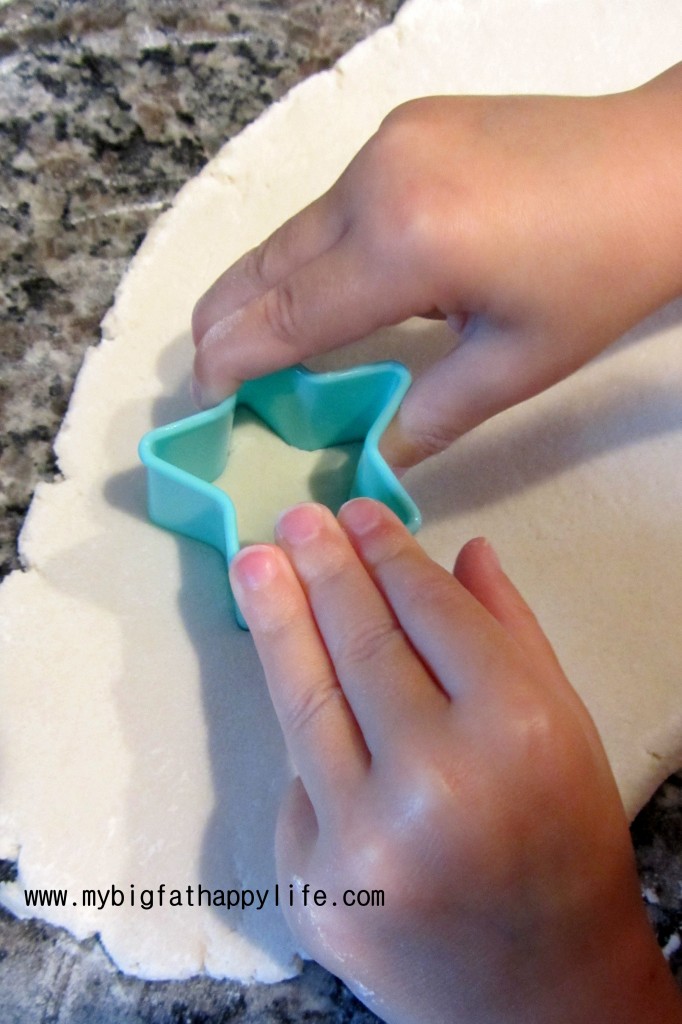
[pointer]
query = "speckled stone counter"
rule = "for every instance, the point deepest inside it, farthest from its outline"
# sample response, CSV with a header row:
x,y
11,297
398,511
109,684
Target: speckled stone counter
x,y
106,109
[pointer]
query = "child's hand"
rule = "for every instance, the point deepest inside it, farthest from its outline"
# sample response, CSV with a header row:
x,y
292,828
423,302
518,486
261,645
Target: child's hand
x,y
443,758
543,226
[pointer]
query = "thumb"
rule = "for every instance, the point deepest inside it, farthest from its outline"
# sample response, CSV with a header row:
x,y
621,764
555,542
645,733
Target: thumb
x,y
297,831
491,369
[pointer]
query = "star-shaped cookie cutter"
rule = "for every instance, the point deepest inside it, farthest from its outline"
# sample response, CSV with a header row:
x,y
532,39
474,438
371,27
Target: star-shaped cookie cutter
x,y
305,409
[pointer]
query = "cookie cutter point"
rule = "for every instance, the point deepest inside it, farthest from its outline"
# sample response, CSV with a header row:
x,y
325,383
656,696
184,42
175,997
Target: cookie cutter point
x,y
306,410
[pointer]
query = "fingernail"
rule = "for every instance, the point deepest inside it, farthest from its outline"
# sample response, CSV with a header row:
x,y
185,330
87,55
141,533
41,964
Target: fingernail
x,y
492,554
212,379
195,390
206,398
361,515
253,568
300,524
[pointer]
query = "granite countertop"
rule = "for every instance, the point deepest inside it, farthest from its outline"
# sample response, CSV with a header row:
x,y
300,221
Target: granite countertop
x,y
106,109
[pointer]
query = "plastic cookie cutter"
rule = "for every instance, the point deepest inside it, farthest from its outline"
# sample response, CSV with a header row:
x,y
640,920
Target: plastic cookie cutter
x,y
307,410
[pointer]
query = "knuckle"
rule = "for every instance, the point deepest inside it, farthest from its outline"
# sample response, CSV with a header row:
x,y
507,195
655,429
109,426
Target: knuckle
x,y
281,313
404,120
406,204
434,439
276,623
256,264
410,219
368,643
392,861
310,705
432,589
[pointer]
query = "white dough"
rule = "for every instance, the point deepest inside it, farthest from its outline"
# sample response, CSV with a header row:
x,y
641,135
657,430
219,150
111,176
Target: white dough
x,y
137,742
263,475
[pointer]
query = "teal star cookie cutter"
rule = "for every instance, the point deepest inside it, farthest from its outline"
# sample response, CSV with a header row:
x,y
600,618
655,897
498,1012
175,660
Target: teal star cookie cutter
x,y
305,409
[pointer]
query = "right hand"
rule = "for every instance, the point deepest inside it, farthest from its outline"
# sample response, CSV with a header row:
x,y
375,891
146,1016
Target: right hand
x,y
545,227
444,760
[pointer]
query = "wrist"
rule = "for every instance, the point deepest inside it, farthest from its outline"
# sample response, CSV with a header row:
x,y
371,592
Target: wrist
x,y
619,976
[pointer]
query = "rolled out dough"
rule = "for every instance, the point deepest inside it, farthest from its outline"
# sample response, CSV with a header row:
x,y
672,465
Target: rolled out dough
x,y
264,474
137,743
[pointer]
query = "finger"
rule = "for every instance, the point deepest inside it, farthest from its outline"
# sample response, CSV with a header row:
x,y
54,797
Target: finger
x,y
295,854
454,635
478,570
492,369
337,298
386,685
299,240
321,733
